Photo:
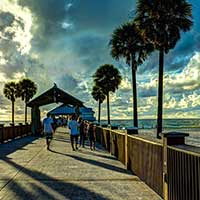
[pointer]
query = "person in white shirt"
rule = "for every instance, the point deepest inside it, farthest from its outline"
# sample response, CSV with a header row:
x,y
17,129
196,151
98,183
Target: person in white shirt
x,y
73,126
48,129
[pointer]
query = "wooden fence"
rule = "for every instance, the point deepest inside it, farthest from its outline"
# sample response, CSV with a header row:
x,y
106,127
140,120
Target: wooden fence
x,y
11,132
145,159
183,174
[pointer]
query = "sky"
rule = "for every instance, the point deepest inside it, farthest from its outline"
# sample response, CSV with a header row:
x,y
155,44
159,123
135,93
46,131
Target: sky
x,y
65,41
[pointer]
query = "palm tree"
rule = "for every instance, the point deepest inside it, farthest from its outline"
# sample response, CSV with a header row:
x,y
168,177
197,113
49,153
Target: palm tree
x,y
161,23
98,95
26,90
108,78
127,42
10,91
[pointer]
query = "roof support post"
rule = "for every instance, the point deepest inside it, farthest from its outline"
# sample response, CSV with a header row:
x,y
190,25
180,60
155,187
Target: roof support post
x,y
35,120
77,111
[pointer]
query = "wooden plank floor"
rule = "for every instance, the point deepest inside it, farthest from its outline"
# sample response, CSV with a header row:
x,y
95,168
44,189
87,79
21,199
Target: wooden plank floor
x,y
29,171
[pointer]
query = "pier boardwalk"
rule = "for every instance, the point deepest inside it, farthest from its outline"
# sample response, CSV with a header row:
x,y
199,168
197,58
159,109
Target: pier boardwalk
x,y
29,171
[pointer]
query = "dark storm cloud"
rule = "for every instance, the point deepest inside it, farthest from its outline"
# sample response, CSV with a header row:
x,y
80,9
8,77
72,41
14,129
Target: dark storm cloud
x,y
88,44
6,19
93,23
181,88
68,81
147,92
48,15
99,15
14,61
92,50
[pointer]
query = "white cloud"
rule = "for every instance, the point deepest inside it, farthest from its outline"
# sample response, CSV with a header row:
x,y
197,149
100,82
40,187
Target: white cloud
x,y
68,6
3,61
67,25
188,79
125,85
3,78
21,33
19,75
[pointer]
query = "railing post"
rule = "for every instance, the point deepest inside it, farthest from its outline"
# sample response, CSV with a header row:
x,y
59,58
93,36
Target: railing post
x,y
126,149
131,131
110,140
1,133
170,138
13,131
165,185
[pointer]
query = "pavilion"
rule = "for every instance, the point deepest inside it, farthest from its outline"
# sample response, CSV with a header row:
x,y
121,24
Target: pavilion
x,y
53,95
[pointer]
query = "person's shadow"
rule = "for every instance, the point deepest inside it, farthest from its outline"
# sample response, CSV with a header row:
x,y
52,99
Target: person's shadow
x,y
95,162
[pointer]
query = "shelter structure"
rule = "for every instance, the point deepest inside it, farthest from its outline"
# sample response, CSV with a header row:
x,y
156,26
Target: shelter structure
x,y
53,95
84,112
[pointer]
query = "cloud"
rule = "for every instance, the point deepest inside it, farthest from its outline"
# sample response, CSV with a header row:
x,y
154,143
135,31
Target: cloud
x,y
148,88
187,80
125,85
48,16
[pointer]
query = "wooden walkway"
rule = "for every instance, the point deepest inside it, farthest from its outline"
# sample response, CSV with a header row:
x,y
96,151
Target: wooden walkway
x,y
28,171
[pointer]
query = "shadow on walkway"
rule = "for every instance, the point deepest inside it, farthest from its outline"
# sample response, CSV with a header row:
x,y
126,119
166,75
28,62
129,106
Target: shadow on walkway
x,y
98,155
15,144
47,187
95,162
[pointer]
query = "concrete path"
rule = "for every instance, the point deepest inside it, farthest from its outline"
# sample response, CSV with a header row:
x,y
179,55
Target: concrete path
x,y
28,171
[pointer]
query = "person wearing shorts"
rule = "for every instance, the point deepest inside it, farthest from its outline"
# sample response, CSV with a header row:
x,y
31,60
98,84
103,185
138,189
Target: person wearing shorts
x,y
74,133
48,129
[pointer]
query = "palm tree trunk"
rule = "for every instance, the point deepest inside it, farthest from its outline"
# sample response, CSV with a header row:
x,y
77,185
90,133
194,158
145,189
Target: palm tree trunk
x,y
99,114
108,108
134,90
160,93
13,120
25,112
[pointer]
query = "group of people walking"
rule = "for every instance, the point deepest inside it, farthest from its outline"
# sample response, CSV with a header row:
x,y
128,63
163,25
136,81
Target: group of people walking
x,y
84,130
78,128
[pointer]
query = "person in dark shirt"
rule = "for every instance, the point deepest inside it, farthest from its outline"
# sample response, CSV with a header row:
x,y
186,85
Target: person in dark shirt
x,y
82,132
92,136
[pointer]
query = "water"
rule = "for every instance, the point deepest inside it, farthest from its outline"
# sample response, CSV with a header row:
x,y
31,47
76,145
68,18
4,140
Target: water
x,y
147,127
7,123
151,123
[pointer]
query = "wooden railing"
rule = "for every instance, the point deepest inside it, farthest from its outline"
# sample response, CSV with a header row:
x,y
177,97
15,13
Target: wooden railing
x,y
11,132
183,174
145,159
113,142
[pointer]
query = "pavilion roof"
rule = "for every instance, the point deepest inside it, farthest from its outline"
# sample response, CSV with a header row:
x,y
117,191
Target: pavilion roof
x,y
54,95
